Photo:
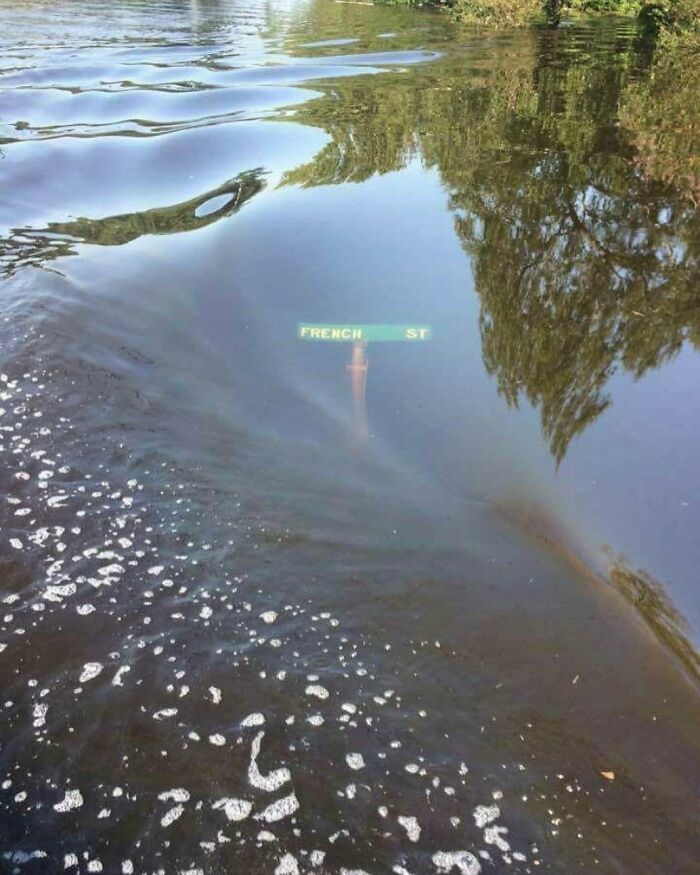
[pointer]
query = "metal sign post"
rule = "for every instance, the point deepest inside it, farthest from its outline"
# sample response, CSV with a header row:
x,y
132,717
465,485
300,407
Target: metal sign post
x,y
359,336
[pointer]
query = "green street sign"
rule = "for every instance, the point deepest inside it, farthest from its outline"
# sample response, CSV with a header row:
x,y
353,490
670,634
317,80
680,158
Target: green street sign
x,y
363,333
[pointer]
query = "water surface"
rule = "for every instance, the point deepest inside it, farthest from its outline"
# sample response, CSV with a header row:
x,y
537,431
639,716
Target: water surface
x,y
278,606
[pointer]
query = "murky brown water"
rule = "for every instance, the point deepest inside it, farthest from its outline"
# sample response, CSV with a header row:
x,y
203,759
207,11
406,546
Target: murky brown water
x,y
282,606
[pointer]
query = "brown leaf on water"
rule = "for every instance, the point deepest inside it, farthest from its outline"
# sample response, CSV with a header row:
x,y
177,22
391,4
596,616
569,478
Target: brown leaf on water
x,y
609,776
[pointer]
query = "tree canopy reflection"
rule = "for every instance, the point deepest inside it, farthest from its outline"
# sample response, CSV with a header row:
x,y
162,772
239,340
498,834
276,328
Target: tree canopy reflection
x,y
586,259
37,246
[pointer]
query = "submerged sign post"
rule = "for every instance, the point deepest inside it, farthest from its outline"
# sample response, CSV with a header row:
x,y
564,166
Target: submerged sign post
x,y
359,336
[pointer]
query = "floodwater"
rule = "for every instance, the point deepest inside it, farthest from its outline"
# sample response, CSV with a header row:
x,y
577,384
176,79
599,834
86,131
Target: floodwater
x,y
277,605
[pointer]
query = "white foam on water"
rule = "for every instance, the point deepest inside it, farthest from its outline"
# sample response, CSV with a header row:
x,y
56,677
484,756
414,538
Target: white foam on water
x,y
90,671
465,862
234,809
493,835
39,714
178,794
117,679
164,713
171,816
72,800
270,782
287,866
280,809
412,827
318,691
485,814
355,761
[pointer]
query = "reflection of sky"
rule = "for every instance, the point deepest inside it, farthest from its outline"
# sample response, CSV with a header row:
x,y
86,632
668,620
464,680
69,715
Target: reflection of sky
x,y
381,251
385,251
634,475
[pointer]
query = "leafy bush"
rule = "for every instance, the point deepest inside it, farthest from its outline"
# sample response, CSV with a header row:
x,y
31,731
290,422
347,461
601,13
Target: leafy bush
x,y
498,13
654,16
617,7
662,112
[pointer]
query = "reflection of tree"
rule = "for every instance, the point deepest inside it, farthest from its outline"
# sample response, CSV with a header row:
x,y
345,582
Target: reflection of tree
x,y
582,263
37,246
658,611
662,115
370,132
564,302
637,587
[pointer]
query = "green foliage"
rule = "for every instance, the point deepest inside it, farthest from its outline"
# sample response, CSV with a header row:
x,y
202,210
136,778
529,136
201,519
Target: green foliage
x,y
616,7
672,17
661,114
654,16
498,13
